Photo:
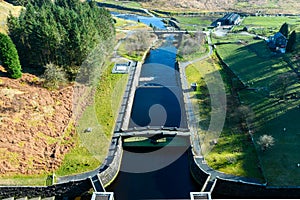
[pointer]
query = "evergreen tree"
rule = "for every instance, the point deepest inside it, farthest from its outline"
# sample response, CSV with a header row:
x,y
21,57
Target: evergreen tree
x,y
291,42
62,32
284,29
9,56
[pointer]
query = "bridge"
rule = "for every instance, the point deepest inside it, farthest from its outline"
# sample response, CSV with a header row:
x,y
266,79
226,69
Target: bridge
x,y
168,31
155,138
148,132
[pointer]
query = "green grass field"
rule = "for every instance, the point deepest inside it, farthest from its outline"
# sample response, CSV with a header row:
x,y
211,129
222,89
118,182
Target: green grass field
x,y
92,148
195,23
255,65
268,25
234,152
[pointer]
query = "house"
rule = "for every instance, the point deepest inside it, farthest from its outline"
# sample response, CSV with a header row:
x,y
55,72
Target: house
x,y
277,42
229,19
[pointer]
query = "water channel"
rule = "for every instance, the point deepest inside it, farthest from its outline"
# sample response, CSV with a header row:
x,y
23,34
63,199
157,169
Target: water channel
x,y
158,102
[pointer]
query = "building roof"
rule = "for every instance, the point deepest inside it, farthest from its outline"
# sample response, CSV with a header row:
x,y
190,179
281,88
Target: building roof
x,y
228,19
278,35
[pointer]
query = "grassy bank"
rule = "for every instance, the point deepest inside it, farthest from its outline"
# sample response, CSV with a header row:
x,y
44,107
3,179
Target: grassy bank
x,y
92,147
234,152
258,68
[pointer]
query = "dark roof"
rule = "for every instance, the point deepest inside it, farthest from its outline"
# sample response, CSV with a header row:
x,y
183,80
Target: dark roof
x,y
228,19
278,35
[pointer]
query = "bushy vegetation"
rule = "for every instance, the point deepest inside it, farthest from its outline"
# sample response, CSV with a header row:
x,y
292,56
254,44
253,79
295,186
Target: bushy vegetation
x,y
136,44
62,32
53,76
192,46
9,57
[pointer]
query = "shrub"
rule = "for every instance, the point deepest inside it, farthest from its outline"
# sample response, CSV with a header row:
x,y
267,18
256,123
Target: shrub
x,y
265,142
9,56
53,77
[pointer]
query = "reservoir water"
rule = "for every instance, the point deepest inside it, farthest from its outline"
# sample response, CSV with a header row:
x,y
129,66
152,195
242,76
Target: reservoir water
x,y
155,21
158,102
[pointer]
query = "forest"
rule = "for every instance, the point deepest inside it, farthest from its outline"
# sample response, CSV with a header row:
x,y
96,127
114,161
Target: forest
x,y
61,33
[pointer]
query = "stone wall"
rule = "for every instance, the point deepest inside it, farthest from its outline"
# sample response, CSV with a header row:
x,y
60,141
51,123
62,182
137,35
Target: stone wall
x,y
239,189
70,190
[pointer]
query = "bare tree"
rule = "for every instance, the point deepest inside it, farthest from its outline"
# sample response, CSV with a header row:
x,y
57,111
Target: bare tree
x,y
266,142
191,43
138,42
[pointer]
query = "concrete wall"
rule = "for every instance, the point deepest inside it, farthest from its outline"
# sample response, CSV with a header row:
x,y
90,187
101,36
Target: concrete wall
x,y
70,190
111,171
130,90
199,175
238,189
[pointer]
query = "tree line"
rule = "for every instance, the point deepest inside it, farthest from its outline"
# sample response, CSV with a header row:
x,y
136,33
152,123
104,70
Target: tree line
x,y
60,32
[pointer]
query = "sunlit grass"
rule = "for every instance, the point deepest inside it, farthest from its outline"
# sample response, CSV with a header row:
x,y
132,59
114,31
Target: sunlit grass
x,y
234,152
24,180
194,23
255,65
91,148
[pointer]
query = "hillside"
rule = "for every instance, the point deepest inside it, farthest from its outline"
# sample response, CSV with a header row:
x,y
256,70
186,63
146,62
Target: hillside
x,y
5,9
250,6
34,121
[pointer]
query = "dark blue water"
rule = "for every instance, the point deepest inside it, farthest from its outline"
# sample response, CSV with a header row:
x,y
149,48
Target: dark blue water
x,y
158,101
155,21
171,182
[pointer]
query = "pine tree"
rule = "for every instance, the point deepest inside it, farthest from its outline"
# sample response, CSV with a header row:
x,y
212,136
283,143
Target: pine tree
x,y
291,42
62,32
284,29
9,57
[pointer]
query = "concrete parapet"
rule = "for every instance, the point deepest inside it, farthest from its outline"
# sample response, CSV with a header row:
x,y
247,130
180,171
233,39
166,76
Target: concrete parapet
x,y
198,174
108,174
241,189
71,190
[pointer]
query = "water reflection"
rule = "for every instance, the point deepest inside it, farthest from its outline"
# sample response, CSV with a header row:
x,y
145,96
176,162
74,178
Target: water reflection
x,y
155,21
